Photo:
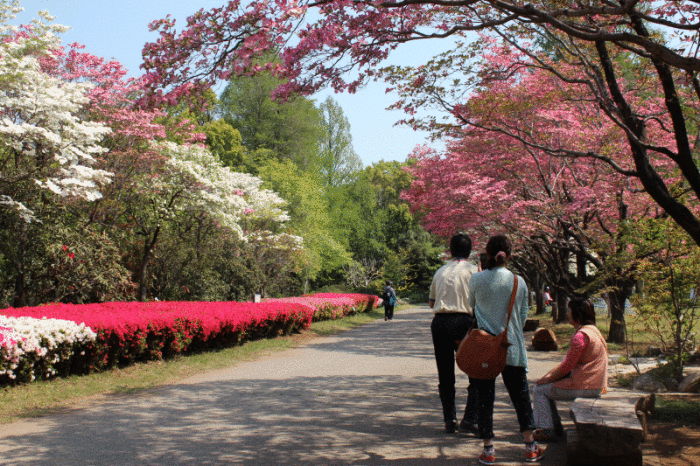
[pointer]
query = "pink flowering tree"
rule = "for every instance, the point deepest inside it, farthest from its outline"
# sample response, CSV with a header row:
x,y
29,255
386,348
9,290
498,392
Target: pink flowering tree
x,y
615,48
566,214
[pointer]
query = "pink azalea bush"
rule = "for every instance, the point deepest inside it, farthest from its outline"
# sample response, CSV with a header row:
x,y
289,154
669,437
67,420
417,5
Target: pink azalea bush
x,y
120,333
363,302
323,308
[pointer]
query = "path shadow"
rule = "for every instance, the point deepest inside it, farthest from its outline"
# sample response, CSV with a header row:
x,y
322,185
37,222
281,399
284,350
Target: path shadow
x,y
249,419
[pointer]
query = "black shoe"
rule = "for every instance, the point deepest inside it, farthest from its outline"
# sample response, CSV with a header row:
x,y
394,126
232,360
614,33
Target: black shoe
x,y
450,426
468,428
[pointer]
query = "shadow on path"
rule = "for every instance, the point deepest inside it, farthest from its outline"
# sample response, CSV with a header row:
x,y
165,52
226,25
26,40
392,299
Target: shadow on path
x,y
365,397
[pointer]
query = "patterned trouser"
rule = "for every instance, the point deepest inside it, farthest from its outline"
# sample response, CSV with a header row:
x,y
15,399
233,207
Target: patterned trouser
x,y
545,406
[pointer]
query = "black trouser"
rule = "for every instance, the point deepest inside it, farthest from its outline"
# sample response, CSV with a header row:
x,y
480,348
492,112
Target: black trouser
x,y
447,329
388,312
515,379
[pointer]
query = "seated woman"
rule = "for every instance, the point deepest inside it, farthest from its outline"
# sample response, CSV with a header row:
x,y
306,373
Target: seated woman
x,y
582,374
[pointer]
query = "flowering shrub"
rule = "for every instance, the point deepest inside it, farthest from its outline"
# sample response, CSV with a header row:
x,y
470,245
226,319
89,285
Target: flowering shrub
x,y
40,348
323,308
47,341
331,306
363,302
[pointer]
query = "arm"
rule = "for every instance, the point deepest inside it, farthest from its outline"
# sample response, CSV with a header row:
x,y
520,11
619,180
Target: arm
x,y
579,343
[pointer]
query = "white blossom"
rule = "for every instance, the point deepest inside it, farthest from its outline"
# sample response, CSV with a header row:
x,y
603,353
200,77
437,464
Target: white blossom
x,y
231,197
40,339
38,114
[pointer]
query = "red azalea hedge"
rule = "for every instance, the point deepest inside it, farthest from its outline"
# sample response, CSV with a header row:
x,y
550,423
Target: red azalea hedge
x,y
135,331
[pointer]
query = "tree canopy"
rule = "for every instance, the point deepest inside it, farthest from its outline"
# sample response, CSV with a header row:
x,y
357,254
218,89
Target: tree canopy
x,y
346,43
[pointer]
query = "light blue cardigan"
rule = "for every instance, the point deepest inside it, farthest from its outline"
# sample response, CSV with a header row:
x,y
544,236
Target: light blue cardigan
x,y
489,296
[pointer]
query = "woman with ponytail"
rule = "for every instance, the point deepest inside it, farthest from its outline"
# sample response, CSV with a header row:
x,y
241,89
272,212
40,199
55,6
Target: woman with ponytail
x,y
489,296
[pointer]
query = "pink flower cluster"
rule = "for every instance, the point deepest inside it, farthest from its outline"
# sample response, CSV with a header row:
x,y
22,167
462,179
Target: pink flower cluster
x,y
323,308
8,337
363,302
135,331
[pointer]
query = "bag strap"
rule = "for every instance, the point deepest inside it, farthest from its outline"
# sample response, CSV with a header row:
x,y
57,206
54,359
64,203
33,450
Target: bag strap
x,y
510,307
512,299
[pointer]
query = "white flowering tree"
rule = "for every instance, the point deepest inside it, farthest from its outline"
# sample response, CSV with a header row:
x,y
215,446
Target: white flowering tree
x,y
78,153
47,151
193,183
43,143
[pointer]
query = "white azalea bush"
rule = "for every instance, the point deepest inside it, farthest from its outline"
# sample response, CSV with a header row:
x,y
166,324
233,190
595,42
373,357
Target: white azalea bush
x,y
33,348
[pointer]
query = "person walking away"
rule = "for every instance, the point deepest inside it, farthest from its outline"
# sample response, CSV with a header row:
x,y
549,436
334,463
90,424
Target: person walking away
x,y
390,300
449,299
489,295
582,374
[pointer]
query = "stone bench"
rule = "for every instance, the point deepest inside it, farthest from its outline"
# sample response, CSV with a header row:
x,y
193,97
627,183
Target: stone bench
x,y
609,430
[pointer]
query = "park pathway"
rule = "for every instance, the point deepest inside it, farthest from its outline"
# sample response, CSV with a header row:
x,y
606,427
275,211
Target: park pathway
x,y
367,396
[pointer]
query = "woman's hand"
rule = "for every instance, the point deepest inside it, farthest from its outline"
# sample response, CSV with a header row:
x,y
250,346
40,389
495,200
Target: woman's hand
x,y
549,377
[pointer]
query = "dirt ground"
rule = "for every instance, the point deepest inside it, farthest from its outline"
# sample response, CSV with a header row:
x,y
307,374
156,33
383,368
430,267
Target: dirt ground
x,y
670,444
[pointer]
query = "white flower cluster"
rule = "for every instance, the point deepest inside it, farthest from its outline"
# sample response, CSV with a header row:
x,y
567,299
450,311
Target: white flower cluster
x,y
277,241
230,196
40,345
38,116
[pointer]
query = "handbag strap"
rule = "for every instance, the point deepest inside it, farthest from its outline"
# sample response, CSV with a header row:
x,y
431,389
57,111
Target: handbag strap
x,y
510,307
512,299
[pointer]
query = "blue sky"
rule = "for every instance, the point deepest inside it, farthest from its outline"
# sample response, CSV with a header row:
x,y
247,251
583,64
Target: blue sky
x,y
119,29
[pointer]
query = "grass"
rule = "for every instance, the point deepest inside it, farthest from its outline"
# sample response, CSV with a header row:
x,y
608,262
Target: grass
x,y
46,397
638,335
677,411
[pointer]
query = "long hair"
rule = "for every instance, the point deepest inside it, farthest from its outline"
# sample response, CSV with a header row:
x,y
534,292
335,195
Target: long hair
x,y
498,248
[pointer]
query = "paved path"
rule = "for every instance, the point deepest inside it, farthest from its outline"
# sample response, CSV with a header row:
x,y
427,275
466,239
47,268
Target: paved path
x,y
367,396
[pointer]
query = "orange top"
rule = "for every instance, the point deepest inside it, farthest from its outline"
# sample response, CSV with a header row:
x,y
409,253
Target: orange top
x,y
591,372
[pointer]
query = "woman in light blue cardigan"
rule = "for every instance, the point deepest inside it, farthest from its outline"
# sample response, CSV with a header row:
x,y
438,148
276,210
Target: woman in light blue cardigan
x,y
489,296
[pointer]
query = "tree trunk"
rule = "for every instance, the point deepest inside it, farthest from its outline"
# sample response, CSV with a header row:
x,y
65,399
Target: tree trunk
x,y
560,302
20,298
537,284
147,249
616,303
20,289
679,341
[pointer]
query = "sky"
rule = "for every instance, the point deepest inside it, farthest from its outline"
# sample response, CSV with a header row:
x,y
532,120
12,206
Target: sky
x,y
119,29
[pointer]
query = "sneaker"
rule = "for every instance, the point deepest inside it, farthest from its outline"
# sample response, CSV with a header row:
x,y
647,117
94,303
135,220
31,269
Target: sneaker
x,y
488,457
450,426
468,428
533,453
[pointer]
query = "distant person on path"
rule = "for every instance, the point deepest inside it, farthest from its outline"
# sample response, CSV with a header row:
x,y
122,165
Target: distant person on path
x,y
489,296
449,299
582,374
547,297
390,300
